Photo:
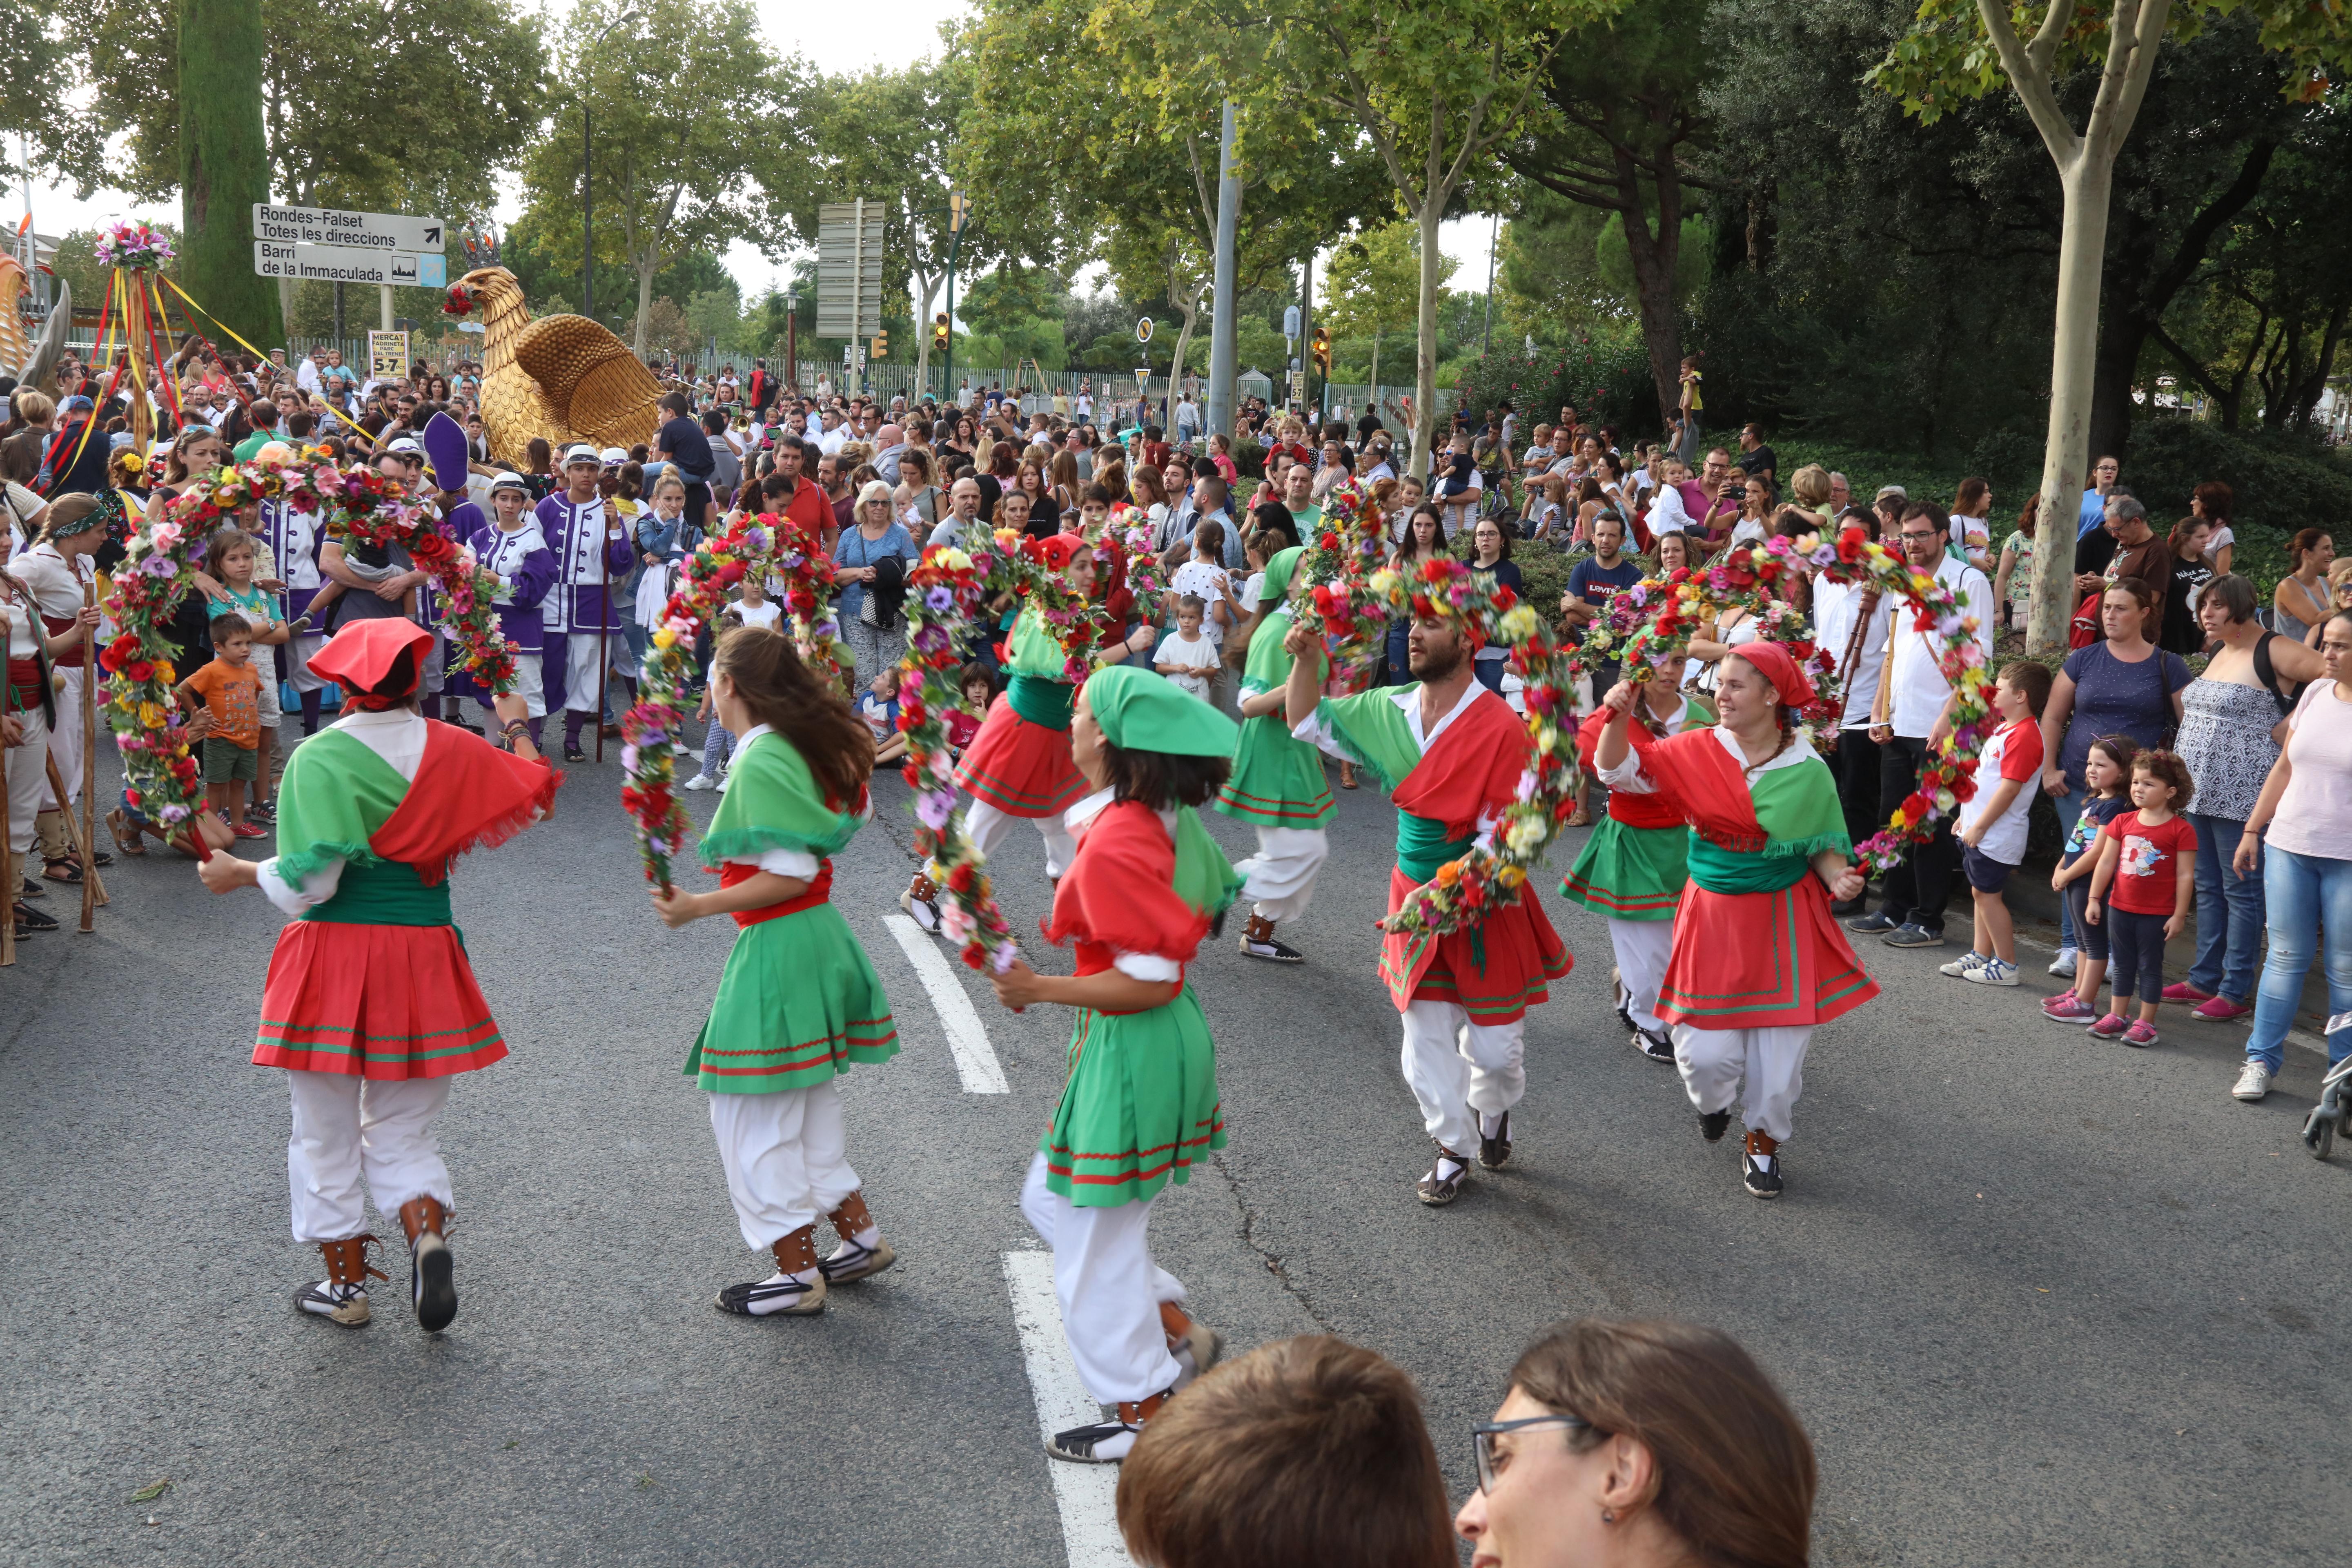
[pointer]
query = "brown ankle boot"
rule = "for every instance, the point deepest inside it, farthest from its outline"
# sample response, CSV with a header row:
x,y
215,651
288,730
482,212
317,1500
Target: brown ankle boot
x,y
852,1259
1761,1173
921,902
789,1296
432,1290
341,1297
1193,1343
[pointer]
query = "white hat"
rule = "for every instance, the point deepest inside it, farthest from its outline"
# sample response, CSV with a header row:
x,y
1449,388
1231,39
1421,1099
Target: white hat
x,y
614,456
582,453
403,443
506,481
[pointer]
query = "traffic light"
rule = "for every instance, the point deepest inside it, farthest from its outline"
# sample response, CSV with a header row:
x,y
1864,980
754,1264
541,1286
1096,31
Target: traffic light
x,y
1322,342
882,343
940,332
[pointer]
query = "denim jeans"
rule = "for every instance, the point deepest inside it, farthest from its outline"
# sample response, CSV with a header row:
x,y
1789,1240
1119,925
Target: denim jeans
x,y
2228,913
2304,892
718,745
2069,807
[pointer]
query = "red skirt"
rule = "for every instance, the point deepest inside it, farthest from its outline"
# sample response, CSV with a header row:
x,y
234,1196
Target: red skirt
x,y
1760,961
1494,971
381,1002
1020,767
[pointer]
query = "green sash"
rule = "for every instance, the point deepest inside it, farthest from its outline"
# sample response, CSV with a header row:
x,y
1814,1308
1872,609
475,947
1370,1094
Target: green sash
x,y
1721,870
1041,701
1422,846
384,893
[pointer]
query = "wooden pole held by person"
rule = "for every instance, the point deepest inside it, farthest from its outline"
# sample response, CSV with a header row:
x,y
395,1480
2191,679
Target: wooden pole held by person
x,y
90,891
603,637
89,865
8,867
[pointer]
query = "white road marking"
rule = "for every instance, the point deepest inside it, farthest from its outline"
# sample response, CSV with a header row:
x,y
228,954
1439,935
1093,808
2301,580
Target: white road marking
x,y
975,1062
1087,1495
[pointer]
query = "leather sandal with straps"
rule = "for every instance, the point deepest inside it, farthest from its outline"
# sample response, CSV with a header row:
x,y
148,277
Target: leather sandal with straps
x,y
787,1295
853,1259
432,1291
1108,1442
341,1297
1437,1190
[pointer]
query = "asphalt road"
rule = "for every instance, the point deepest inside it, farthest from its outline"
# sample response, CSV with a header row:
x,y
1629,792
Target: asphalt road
x,y
2036,1298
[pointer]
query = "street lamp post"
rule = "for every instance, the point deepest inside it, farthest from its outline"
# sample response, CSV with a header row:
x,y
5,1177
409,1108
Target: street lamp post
x,y
792,340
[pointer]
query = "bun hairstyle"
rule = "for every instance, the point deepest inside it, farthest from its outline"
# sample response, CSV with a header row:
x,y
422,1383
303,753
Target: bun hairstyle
x,y
779,691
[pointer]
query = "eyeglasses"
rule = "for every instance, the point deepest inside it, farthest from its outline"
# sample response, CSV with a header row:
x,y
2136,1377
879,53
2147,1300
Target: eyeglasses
x,y
1483,1435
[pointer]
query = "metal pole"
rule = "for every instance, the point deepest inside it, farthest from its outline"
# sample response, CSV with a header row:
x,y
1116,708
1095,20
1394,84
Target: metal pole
x,y
1307,327
1493,236
947,376
1223,353
587,222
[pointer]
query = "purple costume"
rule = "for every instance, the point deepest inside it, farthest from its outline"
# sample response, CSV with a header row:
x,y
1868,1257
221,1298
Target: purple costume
x,y
522,561
580,602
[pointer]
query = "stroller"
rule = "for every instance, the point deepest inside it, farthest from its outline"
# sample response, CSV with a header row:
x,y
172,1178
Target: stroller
x,y
2333,1114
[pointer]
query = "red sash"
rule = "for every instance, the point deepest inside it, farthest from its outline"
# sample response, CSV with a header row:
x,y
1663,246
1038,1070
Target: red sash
x,y
1633,810
819,891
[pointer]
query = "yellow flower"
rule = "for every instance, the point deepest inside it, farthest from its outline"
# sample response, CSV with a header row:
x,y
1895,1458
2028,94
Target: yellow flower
x,y
166,673
664,638
1385,582
1526,835
1510,875
1521,624
151,715
955,560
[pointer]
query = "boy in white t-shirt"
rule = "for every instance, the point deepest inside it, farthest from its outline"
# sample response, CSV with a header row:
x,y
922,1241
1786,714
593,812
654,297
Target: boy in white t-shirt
x,y
1993,822
1188,657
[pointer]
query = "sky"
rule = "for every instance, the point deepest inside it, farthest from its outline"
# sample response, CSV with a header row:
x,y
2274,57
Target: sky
x,y
834,39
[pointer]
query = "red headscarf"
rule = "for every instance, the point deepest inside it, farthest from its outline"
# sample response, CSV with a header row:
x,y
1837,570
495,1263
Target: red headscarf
x,y
1770,658
361,656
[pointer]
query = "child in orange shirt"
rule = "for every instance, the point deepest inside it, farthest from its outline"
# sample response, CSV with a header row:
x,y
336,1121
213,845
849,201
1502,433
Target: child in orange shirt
x,y
229,689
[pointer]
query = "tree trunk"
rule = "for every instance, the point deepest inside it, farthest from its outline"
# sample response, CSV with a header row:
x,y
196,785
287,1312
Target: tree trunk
x,y
927,289
224,164
2087,183
1424,354
1654,261
646,270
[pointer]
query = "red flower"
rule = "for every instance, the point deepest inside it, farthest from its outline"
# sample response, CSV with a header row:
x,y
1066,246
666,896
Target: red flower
x,y
140,670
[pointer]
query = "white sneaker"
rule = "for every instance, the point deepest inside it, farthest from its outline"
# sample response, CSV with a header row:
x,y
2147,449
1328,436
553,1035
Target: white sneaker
x,y
1992,971
724,780
2062,966
702,781
2253,1083
1965,965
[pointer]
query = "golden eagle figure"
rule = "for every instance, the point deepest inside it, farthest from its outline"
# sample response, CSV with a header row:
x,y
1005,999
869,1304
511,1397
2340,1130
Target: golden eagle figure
x,y
33,363
565,378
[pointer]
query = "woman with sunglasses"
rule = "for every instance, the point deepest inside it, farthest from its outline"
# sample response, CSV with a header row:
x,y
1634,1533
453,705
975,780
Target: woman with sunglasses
x,y
1647,1445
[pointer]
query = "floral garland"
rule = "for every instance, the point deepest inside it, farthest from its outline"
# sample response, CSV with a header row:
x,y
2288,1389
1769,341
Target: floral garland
x,y
809,595
1647,624
947,596
1462,890
160,569
134,246
649,729
1343,560
162,780
1145,580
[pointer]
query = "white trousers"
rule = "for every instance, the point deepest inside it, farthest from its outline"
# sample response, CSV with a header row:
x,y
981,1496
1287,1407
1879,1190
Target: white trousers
x,y
1455,1066
987,826
786,1156
347,1128
65,742
1642,948
1280,878
580,650
1109,1287
530,685
28,781
1713,1061
298,664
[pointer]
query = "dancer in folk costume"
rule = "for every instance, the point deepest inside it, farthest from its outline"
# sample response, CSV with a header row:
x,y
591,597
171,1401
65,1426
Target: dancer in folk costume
x,y
1277,785
799,1001
1147,885
371,1004
1018,767
1757,960
513,551
295,539
57,571
581,628
1633,868
1451,753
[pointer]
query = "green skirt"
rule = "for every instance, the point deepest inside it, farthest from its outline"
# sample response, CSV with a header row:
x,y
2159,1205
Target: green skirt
x,y
799,1002
1277,779
1139,1107
1630,873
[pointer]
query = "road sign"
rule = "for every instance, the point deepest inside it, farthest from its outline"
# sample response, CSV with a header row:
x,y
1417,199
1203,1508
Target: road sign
x,y
350,230
388,356
849,268
1143,330
341,264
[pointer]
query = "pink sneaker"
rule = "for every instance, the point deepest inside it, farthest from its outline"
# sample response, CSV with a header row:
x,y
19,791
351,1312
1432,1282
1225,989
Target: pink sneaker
x,y
2141,1032
2068,1008
2181,990
2219,1010
2111,1028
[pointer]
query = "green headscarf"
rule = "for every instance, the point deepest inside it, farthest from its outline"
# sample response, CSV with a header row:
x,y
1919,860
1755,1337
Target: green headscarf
x,y
1278,572
1143,712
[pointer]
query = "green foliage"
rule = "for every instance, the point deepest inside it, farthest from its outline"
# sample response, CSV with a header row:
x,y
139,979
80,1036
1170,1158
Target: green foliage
x,y
1374,280
224,164
1605,375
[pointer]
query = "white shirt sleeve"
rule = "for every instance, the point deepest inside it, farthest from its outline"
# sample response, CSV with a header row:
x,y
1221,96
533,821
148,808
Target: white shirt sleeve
x,y
798,864
294,898
1668,516
1628,775
1148,967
